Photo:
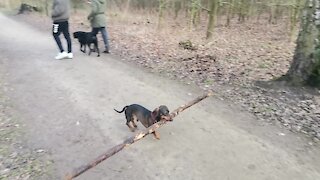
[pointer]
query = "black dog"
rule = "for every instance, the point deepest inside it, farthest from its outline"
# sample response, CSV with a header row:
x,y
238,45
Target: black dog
x,y
86,39
135,112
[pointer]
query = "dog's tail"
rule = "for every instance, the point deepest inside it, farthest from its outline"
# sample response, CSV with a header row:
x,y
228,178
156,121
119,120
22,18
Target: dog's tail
x,y
121,110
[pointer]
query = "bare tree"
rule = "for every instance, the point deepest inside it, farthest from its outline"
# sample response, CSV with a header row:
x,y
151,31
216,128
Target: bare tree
x,y
230,8
294,14
162,4
212,17
305,67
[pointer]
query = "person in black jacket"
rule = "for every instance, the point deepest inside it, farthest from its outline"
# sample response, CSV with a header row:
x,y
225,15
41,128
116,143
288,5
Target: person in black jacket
x,y
60,16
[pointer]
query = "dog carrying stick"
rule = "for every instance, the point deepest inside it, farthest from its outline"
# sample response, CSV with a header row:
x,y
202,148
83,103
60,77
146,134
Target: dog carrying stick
x,y
132,139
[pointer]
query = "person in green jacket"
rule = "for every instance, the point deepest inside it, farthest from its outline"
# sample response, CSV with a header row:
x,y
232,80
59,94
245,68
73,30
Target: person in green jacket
x,y
97,19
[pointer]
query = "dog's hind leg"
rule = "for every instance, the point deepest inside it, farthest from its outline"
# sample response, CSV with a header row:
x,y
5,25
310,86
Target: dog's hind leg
x,y
90,50
129,124
134,120
129,118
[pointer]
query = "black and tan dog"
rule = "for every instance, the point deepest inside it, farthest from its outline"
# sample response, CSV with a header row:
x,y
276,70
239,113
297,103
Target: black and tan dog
x,y
86,39
135,112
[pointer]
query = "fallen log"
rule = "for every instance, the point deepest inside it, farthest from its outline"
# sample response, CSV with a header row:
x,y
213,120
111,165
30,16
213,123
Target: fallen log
x,y
133,139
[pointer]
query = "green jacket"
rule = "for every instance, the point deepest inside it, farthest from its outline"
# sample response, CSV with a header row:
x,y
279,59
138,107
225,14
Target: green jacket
x,y
97,17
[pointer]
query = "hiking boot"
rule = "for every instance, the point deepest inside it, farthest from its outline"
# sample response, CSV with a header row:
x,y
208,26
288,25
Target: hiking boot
x,y
61,55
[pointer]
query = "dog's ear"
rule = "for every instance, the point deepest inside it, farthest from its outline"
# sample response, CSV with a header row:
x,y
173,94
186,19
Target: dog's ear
x,y
155,114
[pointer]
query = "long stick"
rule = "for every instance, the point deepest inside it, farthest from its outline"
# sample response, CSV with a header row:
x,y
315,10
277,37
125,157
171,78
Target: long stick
x,y
132,139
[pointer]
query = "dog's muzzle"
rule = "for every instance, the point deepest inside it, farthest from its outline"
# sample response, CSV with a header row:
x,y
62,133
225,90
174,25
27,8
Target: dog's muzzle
x,y
166,118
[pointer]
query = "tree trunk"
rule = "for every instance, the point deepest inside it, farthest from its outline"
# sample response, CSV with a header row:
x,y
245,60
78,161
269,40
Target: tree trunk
x,y
278,12
271,12
193,12
229,11
260,7
125,14
177,8
305,68
294,14
212,17
243,10
47,7
252,9
160,16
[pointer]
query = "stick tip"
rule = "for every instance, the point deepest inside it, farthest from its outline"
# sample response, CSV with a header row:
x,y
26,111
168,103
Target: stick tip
x,y
68,177
210,93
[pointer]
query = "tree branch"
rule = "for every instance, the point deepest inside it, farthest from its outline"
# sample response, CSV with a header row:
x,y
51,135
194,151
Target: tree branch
x,y
203,8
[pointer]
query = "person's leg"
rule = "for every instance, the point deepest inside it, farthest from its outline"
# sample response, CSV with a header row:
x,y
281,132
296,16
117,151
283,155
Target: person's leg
x,y
94,31
105,39
56,31
65,31
66,34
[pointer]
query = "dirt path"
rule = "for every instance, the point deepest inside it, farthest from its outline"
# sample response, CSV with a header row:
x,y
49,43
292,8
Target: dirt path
x,y
67,108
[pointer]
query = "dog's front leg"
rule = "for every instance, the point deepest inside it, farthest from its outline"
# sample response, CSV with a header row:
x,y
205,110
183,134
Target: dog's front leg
x,y
81,48
90,50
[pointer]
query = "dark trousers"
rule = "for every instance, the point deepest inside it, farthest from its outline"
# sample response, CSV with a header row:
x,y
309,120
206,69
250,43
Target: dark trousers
x,y
63,27
104,33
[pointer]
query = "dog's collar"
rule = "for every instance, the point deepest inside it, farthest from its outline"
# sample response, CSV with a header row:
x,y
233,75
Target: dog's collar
x,y
153,117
